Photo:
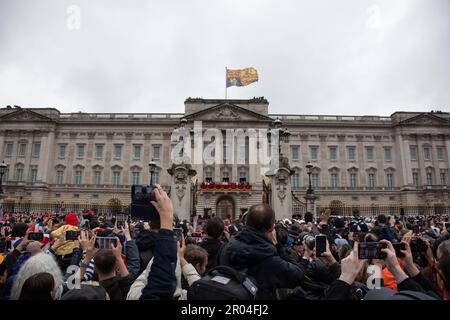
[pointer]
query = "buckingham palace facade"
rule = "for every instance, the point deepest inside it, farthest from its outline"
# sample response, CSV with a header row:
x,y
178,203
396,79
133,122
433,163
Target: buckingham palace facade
x,y
400,160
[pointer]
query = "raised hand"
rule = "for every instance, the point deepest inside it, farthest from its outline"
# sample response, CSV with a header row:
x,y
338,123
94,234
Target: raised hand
x,y
351,266
164,206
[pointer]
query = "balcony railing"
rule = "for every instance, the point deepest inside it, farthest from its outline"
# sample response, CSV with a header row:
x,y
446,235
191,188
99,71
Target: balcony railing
x,y
330,117
225,186
121,116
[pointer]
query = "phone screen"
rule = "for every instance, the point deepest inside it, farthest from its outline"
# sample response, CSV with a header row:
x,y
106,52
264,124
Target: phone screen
x,y
321,245
371,250
120,219
72,235
179,233
36,236
8,244
105,242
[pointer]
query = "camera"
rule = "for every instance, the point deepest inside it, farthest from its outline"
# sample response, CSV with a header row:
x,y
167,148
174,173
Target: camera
x,y
141,207
371,250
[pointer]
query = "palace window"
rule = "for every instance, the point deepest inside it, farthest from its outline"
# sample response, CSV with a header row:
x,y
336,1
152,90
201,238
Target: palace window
x,y
369,151
314,153
294,153
137,152
99,151
135,177
97,177
333,153
334,180
36,149
22,149
372,180
351,153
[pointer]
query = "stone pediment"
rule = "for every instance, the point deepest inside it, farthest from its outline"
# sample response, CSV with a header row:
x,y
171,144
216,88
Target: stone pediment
x,y
227,112
25,115
425,119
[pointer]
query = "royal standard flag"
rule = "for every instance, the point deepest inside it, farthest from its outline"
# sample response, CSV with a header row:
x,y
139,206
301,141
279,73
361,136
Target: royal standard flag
x,y
241,77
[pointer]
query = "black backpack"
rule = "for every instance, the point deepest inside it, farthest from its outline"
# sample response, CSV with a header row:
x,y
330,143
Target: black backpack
x,y
223,283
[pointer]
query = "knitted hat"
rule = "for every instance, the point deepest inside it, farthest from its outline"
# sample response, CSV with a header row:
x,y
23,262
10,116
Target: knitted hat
x,y
72,219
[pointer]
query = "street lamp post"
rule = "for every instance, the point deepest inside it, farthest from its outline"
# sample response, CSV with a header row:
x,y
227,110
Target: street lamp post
x,y
151,168
3,168
310,195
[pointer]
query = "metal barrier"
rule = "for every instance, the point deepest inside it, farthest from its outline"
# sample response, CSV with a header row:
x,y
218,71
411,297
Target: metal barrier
x,y
389,210
103,209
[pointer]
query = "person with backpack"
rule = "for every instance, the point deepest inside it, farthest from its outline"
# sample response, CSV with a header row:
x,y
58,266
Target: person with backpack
x,y
255,250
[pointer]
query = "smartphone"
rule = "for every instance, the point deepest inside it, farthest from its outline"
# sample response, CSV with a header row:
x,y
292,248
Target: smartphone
x,y
36,236
120,220
178,233
141,207
105,242
321,244
447,225
371,250
72,235
398,249
86,225
8,245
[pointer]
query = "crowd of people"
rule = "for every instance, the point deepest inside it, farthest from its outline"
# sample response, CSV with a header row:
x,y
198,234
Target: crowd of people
x,y
252,257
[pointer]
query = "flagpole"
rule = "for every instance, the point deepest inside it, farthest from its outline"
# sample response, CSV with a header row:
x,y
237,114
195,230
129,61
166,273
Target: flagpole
x,y
225,83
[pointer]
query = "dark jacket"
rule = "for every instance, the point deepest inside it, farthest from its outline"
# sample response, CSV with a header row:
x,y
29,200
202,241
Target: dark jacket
x,y
340,290
212,246
270,266
145,242
161,279
118,287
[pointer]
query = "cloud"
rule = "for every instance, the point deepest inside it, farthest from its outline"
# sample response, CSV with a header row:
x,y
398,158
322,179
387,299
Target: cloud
x,y
321,57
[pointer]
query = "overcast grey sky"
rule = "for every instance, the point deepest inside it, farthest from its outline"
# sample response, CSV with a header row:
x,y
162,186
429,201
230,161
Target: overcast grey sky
x,y
313,57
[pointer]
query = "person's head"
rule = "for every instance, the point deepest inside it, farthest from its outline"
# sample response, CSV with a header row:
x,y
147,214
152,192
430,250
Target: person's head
x,y
196,256
104,263
371,237
308,217
38,263
261,217
72,219
443,268
19,229
443,249
40,286
381,219
214,227
87,291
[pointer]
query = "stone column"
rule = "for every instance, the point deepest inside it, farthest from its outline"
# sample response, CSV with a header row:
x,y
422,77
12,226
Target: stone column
x,y
405,160
281,194
180,189
45,158
2,143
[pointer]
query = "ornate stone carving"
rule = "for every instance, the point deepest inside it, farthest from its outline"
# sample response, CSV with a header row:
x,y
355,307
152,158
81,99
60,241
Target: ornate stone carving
x,y
180,176
227,114
281,182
